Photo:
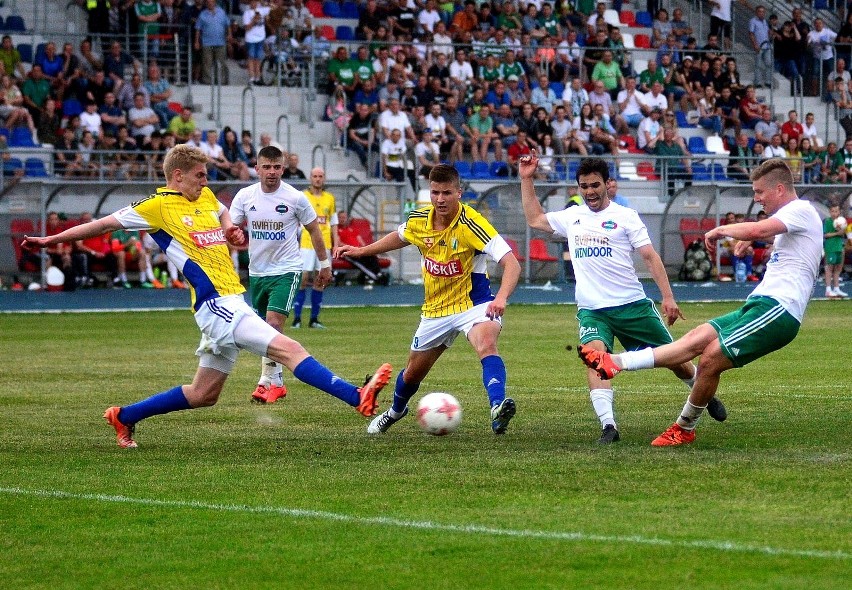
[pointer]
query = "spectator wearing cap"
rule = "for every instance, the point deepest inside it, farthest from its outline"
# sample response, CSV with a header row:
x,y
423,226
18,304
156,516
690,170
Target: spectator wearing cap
x,y
409,99
517,95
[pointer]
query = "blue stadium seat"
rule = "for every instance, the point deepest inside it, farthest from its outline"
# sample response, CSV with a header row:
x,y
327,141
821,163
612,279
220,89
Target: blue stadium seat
x,y
2,24
26,51
345,33
39,52
561,171
5,132
349,10
643,19
573,166
71,107
696,145
682,120
12,164
718,173
463,168
469,197
480,170
498,170
35,167
21,137
332,9
751,142
700,173
558,89
15,24
820,4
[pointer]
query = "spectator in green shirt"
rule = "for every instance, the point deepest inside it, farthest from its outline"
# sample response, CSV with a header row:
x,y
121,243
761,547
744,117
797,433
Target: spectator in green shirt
x,y
10,59
651,75
608,72
36,90
341,71
182,125
673,162
482,135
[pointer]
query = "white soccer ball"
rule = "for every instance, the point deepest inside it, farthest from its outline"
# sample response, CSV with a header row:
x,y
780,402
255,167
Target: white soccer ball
x,y
439,413
840,224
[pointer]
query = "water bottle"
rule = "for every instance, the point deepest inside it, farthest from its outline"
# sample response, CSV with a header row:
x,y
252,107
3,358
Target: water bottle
x,y
740,272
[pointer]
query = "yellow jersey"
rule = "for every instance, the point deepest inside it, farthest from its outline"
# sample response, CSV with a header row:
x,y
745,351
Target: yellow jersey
x,y
326,210
453,261
191,235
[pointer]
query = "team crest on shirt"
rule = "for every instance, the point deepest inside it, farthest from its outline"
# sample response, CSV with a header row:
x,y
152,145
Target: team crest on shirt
x,y
428,242
187,220
609,225
282,209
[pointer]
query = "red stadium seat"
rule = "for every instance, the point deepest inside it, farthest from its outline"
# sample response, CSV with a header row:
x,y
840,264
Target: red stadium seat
x,y
514,246
315,8
628,17
690,230
646,169
18,229
327,32
642,41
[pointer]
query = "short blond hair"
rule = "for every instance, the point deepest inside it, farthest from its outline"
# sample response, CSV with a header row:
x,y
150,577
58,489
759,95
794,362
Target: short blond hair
x,y
776,171
182,157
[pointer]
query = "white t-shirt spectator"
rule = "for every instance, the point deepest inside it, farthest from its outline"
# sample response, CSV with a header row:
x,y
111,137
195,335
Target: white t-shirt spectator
x,y
91,122
438,125
212,151
660,101
647,126
634,105
429,151
257,33
389,121
461,71
395,152
428,19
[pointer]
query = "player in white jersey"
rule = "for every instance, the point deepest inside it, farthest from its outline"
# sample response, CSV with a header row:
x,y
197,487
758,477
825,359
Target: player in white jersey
x,y
602,237
273,212
771,315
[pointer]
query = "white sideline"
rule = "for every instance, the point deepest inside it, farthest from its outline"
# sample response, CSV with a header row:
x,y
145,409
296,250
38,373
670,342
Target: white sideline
x,y
435,526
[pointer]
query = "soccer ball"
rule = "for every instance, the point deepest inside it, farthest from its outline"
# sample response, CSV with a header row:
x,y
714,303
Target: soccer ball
x,y
840,224
439,413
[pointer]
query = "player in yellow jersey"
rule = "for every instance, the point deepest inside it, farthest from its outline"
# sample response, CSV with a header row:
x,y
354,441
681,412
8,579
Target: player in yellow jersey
x,y
326,210
454,241
192,227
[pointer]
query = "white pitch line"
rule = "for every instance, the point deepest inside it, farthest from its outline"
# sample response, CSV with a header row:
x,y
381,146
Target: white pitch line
x,y
426,525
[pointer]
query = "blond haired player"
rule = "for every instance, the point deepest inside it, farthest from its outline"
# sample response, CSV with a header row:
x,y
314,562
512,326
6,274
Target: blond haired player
x,y
191,227
454,242
326,210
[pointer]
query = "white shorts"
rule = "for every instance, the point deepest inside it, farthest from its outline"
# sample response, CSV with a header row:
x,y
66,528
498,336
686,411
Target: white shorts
x,y
310,262
228,324
434,332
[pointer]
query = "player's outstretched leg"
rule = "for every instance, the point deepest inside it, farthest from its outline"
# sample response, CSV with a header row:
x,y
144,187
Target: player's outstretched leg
x,y
399,409
599,361
494,379
124,419
363,399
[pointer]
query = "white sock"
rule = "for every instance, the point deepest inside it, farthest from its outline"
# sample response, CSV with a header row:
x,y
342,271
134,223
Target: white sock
x,y
690,382
393,413
689,415
639,359
270,372
602,401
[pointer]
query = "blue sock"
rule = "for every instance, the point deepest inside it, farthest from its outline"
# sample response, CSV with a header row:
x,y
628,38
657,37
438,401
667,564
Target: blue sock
x,y
310,371
298,304
316,303
402,393
494,379
161,403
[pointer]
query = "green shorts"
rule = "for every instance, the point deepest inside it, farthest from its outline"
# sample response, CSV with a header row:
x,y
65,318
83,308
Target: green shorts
x,y
759,327
834,257
274,293
637,325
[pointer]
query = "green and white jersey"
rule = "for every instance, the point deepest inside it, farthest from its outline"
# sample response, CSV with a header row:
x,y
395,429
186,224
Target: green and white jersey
x,y
602,246
272,227
793,267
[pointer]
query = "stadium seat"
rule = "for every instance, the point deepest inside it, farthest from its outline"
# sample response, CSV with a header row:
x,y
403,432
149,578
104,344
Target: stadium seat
x,y
612,18
480,170
646,170
315,8
700,173
639,66
628,17
12,164
21,137
690,230
642,41
349,10
331,9
345,33
627,171
463,168
571,172
5,132
696,145
682,121
26,51
35,167
18,229
558,88
364,232
629,143
715,145
71,107
327,32
628,40
514,246
717,172
469,197
643,19
538,253
707,223
820,4
498,170
14,24
561,171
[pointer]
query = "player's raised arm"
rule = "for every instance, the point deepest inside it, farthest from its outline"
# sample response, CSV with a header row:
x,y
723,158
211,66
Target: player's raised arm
x,y
390,242
533,211
91,229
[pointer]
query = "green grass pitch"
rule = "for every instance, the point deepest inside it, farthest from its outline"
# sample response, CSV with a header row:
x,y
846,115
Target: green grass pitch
x,y
297,495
